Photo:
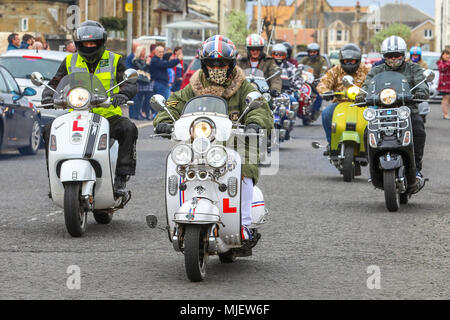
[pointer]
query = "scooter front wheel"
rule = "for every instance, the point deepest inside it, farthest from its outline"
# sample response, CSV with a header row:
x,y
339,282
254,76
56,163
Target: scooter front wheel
x,y
75,216
195,252
349,163
390,191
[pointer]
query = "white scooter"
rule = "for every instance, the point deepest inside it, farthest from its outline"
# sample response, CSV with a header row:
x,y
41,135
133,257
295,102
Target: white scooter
x,y
82,157
203,184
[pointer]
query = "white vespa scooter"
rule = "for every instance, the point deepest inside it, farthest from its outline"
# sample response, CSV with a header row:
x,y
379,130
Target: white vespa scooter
x,y
203,184
82,157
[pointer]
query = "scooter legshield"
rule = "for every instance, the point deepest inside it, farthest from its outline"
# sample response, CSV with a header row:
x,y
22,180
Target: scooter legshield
x,y
348,124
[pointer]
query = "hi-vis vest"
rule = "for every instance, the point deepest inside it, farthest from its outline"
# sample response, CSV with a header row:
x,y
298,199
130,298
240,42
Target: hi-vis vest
x,y
105,71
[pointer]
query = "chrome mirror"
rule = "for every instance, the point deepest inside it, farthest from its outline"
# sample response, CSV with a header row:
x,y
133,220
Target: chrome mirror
x,y
429,75
37,79
130,75
158,102
347,81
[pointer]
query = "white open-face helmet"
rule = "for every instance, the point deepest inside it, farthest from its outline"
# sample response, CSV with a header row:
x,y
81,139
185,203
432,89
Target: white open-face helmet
x,y
393,44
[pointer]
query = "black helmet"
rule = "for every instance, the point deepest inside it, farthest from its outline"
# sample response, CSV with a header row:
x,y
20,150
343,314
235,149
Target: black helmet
x,y
90,31
350,52
288,48
218,50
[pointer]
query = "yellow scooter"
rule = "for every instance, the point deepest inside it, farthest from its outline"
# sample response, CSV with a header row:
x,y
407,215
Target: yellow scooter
x,y
347,149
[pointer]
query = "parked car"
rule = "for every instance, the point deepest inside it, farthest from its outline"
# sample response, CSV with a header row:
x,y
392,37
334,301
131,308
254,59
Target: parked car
x,y
21,63
334,58
431,58
373,57
192,67
19,118
303,54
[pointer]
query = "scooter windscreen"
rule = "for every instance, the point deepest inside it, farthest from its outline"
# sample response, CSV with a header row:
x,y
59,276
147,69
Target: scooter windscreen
x,y
79,89
207,103
256,77
391,87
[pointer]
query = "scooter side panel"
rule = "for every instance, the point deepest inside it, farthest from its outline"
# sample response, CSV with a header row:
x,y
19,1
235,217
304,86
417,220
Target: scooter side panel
x,y
343,114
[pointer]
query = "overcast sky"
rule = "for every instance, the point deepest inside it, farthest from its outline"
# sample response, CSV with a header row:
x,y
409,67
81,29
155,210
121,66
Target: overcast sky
x,y
425,5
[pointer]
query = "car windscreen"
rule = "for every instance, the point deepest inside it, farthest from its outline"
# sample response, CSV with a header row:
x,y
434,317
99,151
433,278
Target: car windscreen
x,y
431,61
206,104
22,67
195,65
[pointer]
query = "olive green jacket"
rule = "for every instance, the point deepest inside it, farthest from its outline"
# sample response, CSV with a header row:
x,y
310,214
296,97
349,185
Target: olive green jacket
x,y
316,64
268,66
234,91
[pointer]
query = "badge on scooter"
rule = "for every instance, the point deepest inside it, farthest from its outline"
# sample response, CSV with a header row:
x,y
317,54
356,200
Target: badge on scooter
x,y
234,116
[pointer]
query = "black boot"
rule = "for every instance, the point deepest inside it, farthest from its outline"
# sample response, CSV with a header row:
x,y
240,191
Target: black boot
x,y
120,186
327,152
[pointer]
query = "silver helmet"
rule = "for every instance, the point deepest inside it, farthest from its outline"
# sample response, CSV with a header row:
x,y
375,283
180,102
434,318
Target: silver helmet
x,y
393,50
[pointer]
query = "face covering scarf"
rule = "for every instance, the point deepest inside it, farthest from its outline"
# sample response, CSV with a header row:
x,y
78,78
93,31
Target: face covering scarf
x,y
218,76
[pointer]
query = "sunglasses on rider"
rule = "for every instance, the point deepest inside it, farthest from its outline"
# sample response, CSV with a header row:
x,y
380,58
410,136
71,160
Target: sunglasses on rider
x,y
393,55
278,54
213,63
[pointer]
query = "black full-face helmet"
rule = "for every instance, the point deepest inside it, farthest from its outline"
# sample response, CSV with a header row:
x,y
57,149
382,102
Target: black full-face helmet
x,y
90,31
350,52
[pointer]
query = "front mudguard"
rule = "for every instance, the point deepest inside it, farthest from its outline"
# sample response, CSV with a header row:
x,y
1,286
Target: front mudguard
x,y
198,211
391,163
350,136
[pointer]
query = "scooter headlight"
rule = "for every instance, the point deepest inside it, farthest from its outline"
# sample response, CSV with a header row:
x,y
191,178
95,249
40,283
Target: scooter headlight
x,y
203,129
403,113
217,157
388,96
267,96
352,92
369,114
182,154
78,98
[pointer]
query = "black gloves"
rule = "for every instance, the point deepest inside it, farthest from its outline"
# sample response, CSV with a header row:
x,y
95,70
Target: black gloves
x,y
47,100
252,127
328,96
420,96
274,93
164,127
118,99
361,97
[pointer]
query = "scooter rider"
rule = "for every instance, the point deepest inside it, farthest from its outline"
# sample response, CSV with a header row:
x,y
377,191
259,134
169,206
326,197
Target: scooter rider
x,y
256,58
317,62
393,50
350,64
90,39
415,55
220,76
279,55
289,54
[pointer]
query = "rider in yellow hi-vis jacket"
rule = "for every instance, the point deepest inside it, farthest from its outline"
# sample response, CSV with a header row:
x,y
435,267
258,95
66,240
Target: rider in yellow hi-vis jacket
x,y
90,38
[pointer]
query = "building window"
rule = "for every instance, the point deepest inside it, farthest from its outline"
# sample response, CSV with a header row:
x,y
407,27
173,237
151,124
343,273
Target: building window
x,y
428,33
339,35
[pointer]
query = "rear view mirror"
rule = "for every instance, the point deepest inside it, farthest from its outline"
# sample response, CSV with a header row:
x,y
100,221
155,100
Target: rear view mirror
x,y
130,75
254,100
429,75
37,79
347,81
29,92
158,102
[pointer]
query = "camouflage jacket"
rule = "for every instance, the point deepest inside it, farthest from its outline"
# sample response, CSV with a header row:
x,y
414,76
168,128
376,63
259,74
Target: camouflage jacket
x,y
234,91
316,64
266,65
332,80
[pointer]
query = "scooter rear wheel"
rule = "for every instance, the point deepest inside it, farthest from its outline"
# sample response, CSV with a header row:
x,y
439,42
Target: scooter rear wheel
x,y
195,252
75,215
390,191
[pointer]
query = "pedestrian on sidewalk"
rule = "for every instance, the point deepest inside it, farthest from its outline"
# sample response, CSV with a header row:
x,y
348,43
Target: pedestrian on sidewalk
x,y
141,108
158,71
444,81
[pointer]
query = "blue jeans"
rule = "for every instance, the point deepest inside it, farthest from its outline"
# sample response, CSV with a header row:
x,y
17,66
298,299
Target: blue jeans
x,y
162,89
327,117
318,102
142,103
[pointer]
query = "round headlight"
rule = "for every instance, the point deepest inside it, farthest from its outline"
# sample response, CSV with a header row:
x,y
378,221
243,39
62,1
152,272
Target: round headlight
x,y
78,98
369,114
304,77
404,112
201,145
202,129
388,96
181,154
352,92
217,157
267,96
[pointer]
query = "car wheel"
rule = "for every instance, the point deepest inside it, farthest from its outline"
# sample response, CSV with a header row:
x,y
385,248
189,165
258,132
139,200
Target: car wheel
x,y
35,140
